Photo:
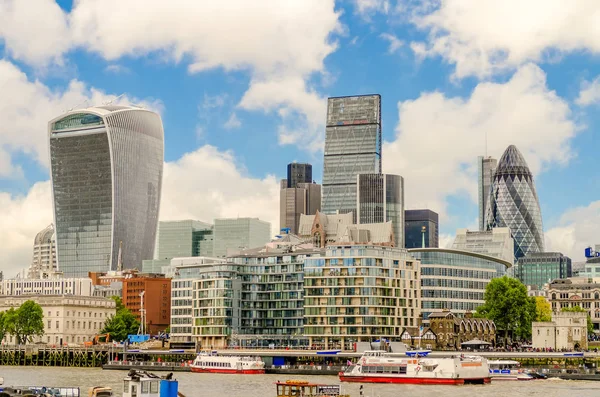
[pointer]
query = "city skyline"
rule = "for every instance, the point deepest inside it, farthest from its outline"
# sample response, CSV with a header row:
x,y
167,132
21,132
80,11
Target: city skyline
x,y
236,112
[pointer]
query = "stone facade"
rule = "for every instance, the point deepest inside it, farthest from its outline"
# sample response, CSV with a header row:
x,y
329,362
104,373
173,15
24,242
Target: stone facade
x,y
451,331
566,331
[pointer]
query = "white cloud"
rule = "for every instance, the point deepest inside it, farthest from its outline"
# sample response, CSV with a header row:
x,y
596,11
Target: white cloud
x,y
233,122
277,42
34,31
438,138
577,229
486,37
221,189
367,8
117,69
27,106
590,92
395,43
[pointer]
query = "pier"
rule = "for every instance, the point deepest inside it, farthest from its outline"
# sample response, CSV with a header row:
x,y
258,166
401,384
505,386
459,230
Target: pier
x,y
43,355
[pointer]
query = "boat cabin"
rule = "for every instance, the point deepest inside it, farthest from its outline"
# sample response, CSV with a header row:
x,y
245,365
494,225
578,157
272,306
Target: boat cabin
x,y
303,388
145,384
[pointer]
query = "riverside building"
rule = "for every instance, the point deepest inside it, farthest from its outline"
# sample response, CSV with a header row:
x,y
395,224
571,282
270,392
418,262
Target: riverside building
x,y
358,293
106,170
68,319
455,280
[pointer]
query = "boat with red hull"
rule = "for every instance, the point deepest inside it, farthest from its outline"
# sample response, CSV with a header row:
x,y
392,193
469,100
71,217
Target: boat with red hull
x,y
382,367
213,363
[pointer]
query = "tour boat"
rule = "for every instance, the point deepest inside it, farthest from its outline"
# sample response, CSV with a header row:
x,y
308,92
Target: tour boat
x,y
295,388
507,370
382,367
213,363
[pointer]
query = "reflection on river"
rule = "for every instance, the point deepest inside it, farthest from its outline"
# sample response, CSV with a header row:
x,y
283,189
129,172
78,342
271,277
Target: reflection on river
x,y
196,385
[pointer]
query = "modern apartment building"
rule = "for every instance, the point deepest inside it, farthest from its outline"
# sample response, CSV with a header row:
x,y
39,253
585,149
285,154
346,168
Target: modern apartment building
x,y
514,203
537,269
360,293
421,228
68,319
485,174
497,242
232,235
379,199
44,254
106,168
455,280
352,147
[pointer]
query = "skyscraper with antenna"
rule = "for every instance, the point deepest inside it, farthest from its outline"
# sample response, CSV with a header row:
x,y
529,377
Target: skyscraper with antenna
x,y
485,173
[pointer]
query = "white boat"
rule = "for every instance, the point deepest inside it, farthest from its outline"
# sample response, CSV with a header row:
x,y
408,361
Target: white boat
x,y
211,362
507,370
382,367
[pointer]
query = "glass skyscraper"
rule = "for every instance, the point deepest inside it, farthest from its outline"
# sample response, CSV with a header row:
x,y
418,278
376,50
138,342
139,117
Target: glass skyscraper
x,y
232,235
380,198
485,173
514,203
352,147
298,173
541,268
106,168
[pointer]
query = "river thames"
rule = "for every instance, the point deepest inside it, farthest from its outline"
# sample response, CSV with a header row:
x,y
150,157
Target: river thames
x,y
196,385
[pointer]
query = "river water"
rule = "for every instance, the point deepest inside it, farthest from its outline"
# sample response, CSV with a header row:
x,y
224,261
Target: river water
x,y
217,385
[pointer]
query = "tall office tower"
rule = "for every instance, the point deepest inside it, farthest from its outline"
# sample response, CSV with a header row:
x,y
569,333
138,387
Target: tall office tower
x,y
380,198
514,203
298,195
298,173
235,234
485,172
184,239
352,146
421,227
106,167
44,254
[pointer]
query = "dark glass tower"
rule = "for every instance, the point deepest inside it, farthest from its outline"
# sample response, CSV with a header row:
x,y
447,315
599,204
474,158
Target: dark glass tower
x,y
298,173
421,225
106,167
514,203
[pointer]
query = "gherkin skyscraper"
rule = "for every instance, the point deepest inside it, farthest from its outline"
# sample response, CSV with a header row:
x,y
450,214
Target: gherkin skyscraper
x,y
514,203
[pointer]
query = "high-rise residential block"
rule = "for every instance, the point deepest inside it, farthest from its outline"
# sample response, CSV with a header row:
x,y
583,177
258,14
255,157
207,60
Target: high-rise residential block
x,y
421,229
44,254
514,203
352,147
298,173
485,173
234,234
106,167
298,195
380,198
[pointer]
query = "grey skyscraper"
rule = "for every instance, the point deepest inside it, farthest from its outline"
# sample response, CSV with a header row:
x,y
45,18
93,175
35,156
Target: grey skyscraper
x,y
106,167
485,173
380,198
298,173
235,234
304,198
514,203
419,225
352,146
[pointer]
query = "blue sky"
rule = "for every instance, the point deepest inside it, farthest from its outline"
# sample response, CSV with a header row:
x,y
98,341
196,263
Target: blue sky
x,y
242,87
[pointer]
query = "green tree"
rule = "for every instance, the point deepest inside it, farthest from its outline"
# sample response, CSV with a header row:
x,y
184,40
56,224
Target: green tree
x,y
507,304
2,325
25,322
122,323
579,309
543,311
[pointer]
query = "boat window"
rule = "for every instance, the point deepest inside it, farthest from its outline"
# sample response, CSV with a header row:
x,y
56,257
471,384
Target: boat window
x,y
403,369
126,386
154,387
379,370
145,387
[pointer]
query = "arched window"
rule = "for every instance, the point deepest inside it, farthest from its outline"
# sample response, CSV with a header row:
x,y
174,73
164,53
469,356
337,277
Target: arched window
x,y
553,296
596,296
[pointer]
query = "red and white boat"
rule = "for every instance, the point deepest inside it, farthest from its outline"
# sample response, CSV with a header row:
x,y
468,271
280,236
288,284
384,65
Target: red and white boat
x,y
382,367
210,362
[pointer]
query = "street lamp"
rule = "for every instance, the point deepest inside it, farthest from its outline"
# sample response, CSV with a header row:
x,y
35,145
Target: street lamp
x,y
142,314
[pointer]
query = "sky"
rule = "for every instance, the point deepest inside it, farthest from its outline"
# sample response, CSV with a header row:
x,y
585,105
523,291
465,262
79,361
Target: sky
x,y
242,88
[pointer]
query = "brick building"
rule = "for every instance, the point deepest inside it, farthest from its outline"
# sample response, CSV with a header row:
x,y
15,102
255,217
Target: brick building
x,y
157,300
